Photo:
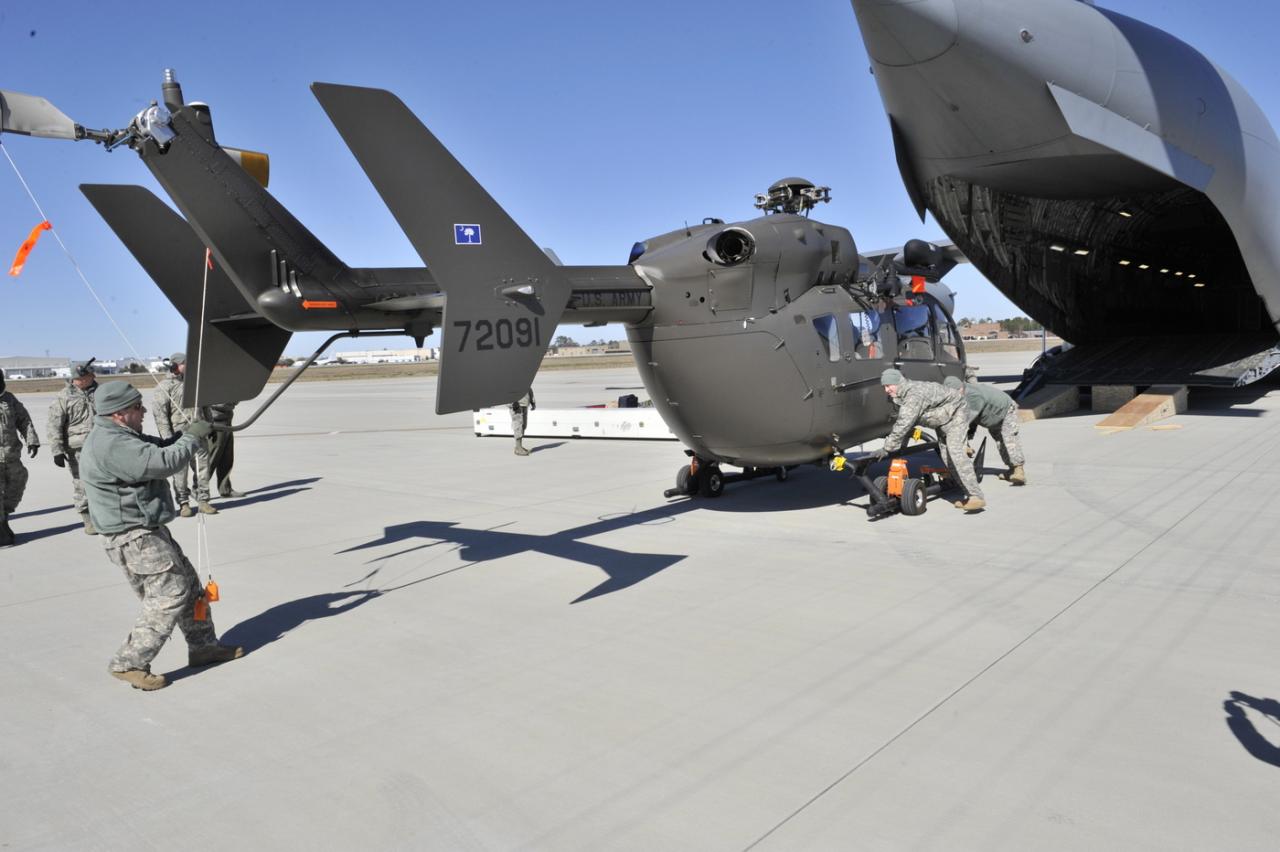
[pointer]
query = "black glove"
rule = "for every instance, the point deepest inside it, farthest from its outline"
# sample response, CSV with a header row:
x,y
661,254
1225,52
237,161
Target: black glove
x,y
880,454
200,429
60,460
32,450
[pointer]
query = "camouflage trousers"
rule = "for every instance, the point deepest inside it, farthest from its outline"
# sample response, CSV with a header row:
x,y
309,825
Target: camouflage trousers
x,y
951,447
13,482
519,417
200,464
1008,440
77,487
166,583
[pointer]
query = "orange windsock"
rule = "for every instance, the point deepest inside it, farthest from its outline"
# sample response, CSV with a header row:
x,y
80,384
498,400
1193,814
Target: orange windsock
x,y
20,259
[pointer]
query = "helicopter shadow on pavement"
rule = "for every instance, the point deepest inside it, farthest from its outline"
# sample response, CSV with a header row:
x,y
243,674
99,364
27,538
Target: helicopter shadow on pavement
x,y
1264,748
622,568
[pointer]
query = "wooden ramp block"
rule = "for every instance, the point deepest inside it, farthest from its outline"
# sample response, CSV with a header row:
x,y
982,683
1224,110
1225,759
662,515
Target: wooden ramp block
x,y
1112,397
1049,401
1156,403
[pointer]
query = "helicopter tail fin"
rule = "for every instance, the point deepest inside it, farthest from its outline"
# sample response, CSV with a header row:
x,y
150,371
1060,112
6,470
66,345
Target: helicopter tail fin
x,y
503,294
240,348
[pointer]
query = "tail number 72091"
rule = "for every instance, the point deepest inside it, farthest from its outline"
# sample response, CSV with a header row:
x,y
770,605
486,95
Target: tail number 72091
x,y
499,334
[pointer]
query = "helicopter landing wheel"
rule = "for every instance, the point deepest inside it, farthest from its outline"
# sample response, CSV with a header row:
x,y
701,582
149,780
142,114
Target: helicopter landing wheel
x,y
686,482
711,481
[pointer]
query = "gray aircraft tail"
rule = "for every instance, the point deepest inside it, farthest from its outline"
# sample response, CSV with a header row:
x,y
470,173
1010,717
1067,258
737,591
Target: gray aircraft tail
x,y
240,347
503,295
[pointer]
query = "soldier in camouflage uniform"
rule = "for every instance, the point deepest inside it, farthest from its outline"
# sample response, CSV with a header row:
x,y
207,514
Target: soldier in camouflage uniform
x,y
124,474
994,409
172,418
15,424
520,419
70,418
942,408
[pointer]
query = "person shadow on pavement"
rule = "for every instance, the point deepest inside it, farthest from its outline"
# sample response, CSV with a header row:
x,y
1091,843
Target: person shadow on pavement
x,y
280,620
1258,744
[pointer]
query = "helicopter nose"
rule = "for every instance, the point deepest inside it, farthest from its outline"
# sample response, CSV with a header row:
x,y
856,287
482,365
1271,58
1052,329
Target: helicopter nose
x,y
907,32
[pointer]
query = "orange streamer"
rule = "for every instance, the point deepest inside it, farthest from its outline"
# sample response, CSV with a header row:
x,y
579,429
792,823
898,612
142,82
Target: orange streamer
x,y
20,259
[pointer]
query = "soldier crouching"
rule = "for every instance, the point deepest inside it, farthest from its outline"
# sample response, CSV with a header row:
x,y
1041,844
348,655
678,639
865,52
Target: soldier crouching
x,y
124,474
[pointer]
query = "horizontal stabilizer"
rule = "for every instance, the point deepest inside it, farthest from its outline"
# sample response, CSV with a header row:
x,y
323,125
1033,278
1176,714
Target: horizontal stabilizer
x,y
503,295
240,347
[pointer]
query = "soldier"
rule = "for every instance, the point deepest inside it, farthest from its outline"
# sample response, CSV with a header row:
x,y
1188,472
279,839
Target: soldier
x,y
15,424
942,408
994,409
520,418
129,501
172,418
70,418
223,450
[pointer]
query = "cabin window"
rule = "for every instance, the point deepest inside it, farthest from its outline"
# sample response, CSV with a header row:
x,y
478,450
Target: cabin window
x,y
948,337
912,322
866,335
829,334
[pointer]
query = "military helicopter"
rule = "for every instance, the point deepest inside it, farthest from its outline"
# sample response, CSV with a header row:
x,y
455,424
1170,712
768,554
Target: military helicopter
x,y
760,342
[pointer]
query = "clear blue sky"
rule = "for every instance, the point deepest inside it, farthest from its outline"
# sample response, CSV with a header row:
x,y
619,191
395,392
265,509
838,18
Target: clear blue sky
x,y
595,124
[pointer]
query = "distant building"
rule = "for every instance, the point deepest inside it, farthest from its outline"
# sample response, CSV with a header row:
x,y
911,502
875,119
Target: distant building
x,y
27,367
612,347
380,356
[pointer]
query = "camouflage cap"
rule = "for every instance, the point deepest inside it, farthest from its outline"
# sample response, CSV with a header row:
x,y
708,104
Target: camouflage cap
x,y
953,383
891,377
115,396
178,358
82,368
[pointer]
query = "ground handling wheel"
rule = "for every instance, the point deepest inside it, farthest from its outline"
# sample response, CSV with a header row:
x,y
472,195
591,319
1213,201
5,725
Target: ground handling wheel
x,y
710,481
914,496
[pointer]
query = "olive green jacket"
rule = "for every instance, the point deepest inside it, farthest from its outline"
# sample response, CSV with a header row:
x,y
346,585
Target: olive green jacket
x,y
125,476
988,405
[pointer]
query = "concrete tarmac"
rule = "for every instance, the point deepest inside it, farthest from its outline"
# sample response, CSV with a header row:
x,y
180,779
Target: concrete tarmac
x,y
454,648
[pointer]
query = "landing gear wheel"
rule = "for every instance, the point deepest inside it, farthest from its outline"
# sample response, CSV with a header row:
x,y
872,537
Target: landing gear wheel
x,y
710,481
686,482
914,497
782,473
882,483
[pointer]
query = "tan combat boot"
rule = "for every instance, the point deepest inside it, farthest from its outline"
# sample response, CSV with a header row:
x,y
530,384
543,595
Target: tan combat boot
x,y
185,511
207,508
89,529
973,504
214,654
140,679
520,450
1017,476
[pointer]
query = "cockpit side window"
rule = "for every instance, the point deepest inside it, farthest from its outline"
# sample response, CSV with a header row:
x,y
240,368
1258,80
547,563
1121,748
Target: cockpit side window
x,y
912,322
948,337
829,334
866,334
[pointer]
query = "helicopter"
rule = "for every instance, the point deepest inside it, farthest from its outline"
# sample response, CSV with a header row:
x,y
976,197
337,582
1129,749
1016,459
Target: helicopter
x,y
761,342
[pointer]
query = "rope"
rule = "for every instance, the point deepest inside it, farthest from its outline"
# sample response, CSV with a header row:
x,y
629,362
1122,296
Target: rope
x,y
203,560
74,264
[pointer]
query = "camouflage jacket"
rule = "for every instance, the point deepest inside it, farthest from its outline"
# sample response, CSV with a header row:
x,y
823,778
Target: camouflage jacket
x,y
170,416
988,405
15,421
124,476
922,404
70,419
